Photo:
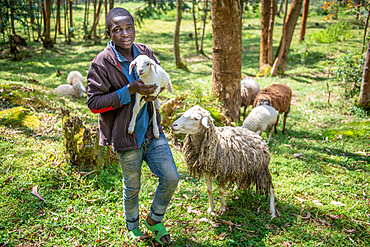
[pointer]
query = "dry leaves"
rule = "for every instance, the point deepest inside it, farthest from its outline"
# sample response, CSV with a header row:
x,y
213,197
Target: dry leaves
x,y
34,191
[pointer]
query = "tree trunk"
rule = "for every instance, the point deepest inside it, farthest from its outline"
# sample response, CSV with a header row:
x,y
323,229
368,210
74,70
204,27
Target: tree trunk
x,y
176,36
365,32
58,16
70,18
195,27
57,22
106,12
204,26
280,8
96,20
12,18
304,20
47,42
270,35
227,53
290,23
279,53
364,98
111,4
264,46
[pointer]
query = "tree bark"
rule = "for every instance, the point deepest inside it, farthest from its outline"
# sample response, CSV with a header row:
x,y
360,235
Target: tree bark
x,y
176,36
111,4
279,53
96,20
364,98
227,53
270,55
204,26
12,18
195,27
264,46
304,20
290,23
57,22
47,42
280,8
70,16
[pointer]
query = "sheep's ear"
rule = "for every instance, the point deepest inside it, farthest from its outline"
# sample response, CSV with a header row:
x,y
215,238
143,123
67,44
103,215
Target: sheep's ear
x,y
154,67
131,66
205,122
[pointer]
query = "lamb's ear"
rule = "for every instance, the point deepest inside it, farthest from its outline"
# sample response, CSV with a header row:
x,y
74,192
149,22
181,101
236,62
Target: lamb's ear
x,y
205,122
154,66
132,64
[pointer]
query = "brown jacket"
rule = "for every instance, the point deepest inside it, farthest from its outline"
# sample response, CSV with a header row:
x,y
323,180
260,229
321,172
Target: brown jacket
x,y
104,78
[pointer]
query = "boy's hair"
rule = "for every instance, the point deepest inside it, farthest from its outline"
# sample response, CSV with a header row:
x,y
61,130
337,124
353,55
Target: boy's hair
x,y
114,13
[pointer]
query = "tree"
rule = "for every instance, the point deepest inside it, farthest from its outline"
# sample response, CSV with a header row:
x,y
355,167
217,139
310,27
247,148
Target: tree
x,y
279,54
176,36
227,53
364,98
96,21
304,20
268,9
290,23
46,40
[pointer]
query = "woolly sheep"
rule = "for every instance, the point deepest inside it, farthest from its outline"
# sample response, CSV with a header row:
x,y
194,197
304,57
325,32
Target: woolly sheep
x,y
74,77
261,118
150,73
74,91
228,154
249,90
278,96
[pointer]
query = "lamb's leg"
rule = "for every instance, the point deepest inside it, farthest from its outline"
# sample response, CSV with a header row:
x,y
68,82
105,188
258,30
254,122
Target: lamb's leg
x,y
155,125
222,191
270,133
210,196
272,203
135,111
157,104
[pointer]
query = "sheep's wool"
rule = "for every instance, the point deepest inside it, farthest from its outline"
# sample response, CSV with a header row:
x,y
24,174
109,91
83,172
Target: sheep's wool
x,y
230,154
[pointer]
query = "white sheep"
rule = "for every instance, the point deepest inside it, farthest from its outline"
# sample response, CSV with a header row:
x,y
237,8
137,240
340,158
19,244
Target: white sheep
x,y
74,91
249,90
228,154
74,77
261,118
150,73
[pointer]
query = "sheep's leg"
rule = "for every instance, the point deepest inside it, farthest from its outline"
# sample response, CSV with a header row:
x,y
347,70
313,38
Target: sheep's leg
x,y
222,191
157,104
277,121
210,196
135,111
272,203
155,125
285,116
270,133
258,132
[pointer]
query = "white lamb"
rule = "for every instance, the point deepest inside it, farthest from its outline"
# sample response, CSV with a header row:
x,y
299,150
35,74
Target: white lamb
x,y
227,154
74,91
150,73
75,77
261,118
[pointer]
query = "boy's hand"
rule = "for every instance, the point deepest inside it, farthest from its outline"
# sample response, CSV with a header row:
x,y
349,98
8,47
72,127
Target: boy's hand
x,y
138,86
152,98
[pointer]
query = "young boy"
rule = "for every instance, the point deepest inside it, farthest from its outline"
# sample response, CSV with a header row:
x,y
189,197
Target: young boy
x,y
111,93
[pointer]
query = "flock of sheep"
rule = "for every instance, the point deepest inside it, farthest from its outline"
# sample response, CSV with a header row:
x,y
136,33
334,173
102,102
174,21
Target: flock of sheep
x,y
230,155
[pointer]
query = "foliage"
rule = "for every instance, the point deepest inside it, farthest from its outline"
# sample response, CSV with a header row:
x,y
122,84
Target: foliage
x,y
156,9
338,31
348,69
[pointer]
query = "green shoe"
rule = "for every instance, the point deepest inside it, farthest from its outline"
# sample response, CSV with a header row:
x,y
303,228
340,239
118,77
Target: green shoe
x,y
135,235
158,231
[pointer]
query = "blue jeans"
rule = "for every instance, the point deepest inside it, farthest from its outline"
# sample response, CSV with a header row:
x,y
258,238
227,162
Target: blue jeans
x,y
157,154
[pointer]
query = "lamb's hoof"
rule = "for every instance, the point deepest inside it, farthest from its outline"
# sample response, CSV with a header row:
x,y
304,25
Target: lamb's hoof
x,y
156,135
131,130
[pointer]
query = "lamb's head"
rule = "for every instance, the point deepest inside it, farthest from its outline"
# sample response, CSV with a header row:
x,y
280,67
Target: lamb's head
x,y
143,64
193,121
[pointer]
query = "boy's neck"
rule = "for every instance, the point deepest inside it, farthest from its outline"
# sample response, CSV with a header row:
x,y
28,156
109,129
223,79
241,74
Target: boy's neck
x,y
127,53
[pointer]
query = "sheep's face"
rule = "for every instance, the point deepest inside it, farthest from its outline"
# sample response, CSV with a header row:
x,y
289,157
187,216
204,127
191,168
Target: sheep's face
x,y
143,64
192,121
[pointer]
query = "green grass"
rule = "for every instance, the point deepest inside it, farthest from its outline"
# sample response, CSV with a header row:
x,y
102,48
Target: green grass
x,y
322,159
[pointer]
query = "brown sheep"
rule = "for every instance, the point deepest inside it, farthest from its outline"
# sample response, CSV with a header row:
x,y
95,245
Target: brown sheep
x,y
278,96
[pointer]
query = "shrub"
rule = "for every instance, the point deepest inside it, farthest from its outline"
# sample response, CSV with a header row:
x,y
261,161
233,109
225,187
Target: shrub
x,y
348,69
335,32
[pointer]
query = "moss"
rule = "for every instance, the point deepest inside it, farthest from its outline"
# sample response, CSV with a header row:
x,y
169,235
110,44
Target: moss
x,y
19,117
265,71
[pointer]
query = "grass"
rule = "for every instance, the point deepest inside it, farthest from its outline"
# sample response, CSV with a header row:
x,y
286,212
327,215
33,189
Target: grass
x,y
320,167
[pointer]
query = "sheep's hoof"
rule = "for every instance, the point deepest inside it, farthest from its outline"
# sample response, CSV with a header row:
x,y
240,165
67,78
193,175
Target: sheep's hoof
x,y
130,130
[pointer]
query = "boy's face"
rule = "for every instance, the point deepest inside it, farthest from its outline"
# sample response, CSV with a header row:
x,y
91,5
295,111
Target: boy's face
x,y
122,31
